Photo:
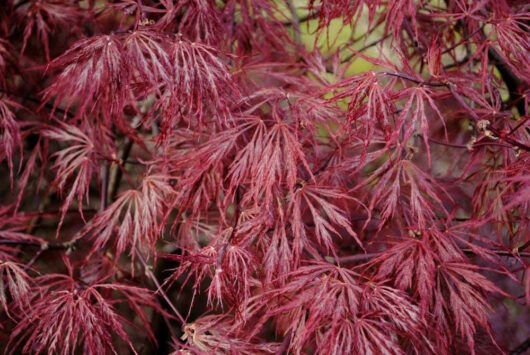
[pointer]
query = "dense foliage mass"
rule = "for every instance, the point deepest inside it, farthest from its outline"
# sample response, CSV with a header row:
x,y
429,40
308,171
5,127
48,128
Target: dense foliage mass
x,y
264,176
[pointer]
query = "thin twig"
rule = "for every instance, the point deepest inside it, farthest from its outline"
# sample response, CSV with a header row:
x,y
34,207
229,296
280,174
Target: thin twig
x,y
38,101
305,18
285,343
356,258
117,173
452,145
33,259
295,21
462,102
159,288
510,79
474,115
220,257
464,40
363,257
524,246
43,245
519,125
500,253
104,185
363,48
414,80
521,348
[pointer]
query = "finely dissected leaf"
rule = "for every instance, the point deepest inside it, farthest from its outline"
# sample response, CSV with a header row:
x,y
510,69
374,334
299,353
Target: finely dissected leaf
x,y
232,279
133,220
404,183
92,71
413,261
201,83
349,315
512,38
279,162
326,223
213,334
10,130
76,159
4,55
369,103
201,20
467,305
69,316
13,278
527,287
147,55
416,107
45,17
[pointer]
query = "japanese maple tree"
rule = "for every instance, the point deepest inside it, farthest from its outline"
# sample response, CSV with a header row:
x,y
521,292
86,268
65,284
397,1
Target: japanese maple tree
x,y
265,176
